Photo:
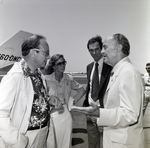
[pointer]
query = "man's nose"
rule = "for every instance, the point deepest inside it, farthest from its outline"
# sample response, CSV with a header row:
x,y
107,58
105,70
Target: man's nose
x,y
94,51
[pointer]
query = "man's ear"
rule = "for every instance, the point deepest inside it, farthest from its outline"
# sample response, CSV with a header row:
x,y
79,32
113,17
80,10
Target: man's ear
x,y
119,47
32,52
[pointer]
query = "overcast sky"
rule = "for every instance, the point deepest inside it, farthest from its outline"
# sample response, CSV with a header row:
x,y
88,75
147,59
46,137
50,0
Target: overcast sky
x,y
69,24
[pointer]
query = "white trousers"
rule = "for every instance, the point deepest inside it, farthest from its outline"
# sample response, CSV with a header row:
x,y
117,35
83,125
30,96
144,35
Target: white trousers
x,y
37,138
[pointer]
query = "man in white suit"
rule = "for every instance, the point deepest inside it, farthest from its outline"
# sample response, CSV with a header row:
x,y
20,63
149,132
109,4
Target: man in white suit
x,y
122,114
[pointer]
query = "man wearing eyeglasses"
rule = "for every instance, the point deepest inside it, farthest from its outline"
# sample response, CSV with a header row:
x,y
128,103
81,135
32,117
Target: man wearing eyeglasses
x,y
24,106
94,46
146,122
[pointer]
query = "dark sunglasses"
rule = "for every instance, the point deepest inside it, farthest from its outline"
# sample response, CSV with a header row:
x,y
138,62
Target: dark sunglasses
x,y
61,63
148,68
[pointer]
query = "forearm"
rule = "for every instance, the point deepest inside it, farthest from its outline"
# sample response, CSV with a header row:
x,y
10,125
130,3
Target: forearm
x,y
79,95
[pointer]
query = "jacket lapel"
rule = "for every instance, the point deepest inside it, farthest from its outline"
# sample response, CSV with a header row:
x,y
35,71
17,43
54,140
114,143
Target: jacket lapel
x,y
89,70
104,74
115,75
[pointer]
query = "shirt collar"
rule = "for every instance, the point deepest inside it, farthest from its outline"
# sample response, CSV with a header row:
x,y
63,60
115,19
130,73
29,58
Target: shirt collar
x,y
100,62
27,71
118,64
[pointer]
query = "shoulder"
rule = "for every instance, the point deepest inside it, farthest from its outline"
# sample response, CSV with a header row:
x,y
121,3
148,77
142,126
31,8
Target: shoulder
x,y
68,77
90,65
129,70
49,77
107,66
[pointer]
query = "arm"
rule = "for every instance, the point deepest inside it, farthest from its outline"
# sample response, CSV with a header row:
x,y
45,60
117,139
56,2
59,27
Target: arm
x,y
10,134
130,100
129,110
79,89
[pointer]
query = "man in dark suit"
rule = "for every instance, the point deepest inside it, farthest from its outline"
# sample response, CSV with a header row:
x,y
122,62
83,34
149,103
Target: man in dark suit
x,y
94,46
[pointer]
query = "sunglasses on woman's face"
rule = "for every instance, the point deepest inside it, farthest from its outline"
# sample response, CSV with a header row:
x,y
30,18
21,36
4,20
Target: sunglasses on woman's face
x,y
61,63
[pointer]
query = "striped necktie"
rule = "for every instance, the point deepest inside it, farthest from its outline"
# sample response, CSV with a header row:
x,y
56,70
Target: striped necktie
x,y
95,83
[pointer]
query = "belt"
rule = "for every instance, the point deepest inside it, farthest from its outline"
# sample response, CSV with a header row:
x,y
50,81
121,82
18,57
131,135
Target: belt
x,y
37,127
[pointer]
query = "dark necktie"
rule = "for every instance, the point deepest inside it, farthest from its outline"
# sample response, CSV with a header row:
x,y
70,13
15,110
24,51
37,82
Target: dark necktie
x,y
95,83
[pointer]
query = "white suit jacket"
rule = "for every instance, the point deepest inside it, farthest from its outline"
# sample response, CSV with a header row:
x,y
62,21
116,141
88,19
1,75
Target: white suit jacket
x,y
16,97
123,104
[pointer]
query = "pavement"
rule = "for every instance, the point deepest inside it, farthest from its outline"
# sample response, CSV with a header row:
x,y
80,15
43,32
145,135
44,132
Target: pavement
x,y
80,138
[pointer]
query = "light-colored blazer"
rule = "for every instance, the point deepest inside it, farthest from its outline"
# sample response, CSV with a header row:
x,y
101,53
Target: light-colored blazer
x,y
16,97
123,102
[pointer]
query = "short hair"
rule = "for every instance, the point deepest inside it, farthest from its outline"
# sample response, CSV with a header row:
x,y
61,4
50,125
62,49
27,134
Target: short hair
x,y
31,43
148,64
121,39
49,68
95,39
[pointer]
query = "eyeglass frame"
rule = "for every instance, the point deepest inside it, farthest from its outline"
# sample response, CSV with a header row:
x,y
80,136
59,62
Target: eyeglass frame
x,y
61,63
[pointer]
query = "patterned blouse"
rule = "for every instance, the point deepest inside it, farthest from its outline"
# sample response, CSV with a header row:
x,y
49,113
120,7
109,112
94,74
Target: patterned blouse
x,y
40,107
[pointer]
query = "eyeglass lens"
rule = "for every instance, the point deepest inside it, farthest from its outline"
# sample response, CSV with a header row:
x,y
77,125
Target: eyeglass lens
x,y
62,63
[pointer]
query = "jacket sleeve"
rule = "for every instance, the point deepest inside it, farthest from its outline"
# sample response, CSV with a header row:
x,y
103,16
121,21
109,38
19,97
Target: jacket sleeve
x,y
130,95
10,134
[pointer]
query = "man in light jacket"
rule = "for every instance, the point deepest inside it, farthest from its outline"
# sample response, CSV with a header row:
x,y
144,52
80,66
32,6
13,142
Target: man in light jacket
x,y
122,114
24,106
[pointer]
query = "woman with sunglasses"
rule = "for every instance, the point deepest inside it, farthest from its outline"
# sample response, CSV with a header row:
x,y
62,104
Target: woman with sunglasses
x,y
60,85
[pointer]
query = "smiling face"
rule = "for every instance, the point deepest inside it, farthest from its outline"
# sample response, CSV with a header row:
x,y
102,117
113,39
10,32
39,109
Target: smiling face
x,y
95,51
110,52
60,65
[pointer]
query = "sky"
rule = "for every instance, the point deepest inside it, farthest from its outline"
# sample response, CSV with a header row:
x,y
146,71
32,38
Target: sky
x,y
69,24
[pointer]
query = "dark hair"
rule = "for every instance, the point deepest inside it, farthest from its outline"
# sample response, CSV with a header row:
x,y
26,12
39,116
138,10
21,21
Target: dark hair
x,y
95,39
148,64
49,68
121,39
30,43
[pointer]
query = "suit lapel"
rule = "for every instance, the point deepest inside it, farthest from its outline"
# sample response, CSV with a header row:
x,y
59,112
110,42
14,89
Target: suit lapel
x,y
115,75
89,70
104,73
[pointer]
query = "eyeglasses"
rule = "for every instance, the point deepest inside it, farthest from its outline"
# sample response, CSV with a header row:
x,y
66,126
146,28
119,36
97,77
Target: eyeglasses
x,y
147,68
46,53
61,63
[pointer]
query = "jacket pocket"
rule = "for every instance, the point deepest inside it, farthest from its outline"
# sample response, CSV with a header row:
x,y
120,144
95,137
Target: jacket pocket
x,y
120,136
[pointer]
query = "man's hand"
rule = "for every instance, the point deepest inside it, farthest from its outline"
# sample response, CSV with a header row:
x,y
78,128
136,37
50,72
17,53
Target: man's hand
x,y
92,110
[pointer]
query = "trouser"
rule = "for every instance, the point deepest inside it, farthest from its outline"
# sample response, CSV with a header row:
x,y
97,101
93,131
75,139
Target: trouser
x,y
95,135
37,138
2,145
147,137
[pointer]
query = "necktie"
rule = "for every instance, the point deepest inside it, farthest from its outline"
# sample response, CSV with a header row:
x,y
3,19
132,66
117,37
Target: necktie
x,y
95,83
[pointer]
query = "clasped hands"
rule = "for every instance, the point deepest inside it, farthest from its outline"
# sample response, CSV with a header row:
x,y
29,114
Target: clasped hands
x,y
55,102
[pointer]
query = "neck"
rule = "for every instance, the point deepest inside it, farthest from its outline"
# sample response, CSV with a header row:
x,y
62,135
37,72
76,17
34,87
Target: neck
x,y
58,76
31,66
